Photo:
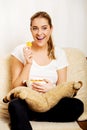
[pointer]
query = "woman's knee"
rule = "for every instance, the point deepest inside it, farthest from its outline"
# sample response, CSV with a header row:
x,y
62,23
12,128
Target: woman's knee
x,y
79,106
78,109
13,103
73,104
17,105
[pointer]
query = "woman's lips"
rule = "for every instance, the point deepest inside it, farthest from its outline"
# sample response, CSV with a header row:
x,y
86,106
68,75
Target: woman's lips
x,y
40,38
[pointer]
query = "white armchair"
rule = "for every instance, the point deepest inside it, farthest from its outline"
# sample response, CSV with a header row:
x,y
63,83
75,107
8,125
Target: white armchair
x,y
77,70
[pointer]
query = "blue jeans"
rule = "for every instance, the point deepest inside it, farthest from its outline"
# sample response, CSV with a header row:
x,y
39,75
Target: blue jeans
x,y
67,110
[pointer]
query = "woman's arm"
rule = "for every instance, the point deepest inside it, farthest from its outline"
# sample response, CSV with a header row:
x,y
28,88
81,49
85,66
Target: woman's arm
x,y
62,75
19,72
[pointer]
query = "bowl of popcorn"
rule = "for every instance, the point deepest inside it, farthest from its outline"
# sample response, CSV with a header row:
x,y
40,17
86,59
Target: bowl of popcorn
x,y
40,81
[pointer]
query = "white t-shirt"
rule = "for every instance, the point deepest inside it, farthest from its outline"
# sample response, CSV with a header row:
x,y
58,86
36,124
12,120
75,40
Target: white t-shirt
x,y
44,72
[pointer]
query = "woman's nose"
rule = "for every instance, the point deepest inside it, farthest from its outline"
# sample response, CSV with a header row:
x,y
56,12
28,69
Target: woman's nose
x,y
39,32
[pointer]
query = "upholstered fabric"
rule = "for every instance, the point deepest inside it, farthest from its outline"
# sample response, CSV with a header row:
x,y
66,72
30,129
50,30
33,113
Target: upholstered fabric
x,y
45,126
77,70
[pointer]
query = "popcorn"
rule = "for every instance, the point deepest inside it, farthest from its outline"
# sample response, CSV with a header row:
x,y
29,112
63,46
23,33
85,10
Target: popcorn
x,y
37,81
29,82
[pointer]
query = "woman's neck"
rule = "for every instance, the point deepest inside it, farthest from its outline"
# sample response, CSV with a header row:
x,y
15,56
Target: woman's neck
x,y
40,54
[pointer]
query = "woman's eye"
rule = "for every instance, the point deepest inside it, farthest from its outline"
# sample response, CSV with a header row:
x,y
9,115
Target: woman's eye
x,y
44,28
34,28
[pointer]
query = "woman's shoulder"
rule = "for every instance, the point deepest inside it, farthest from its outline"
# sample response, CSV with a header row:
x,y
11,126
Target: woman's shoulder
x,y
61,57
59,51
18,52
18,47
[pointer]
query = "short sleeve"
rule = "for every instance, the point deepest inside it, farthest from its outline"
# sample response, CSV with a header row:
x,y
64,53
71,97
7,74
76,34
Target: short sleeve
x,y
61,58
18,53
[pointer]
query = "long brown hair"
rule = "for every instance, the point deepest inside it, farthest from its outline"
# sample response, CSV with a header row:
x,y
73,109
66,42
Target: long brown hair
x,y
45,15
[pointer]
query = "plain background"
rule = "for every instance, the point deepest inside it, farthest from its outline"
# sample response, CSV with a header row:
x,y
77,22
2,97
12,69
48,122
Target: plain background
x,y
69,22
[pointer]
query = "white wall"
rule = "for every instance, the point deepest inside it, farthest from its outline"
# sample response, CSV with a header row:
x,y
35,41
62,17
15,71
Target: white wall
x,y
69,21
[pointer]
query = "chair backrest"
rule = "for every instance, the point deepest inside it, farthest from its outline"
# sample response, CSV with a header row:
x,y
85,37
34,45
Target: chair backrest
x,y
77,71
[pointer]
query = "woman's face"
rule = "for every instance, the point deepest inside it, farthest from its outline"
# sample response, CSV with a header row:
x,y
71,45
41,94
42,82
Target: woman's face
x,y
41,31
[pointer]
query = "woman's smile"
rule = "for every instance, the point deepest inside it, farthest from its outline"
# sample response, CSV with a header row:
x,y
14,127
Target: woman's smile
x,y
40,37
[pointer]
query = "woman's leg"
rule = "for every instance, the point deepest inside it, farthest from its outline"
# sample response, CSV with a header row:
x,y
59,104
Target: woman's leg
x,y
67,110
18,115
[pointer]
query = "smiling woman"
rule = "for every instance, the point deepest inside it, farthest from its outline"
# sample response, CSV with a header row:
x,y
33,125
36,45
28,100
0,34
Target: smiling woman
x,y
42,61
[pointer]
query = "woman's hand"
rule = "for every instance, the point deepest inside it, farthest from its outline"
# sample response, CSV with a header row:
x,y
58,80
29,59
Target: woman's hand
x,y
46,86
28,55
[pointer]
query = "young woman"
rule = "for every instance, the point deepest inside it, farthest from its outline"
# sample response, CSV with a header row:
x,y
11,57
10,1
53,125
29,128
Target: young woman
x,y
43,62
